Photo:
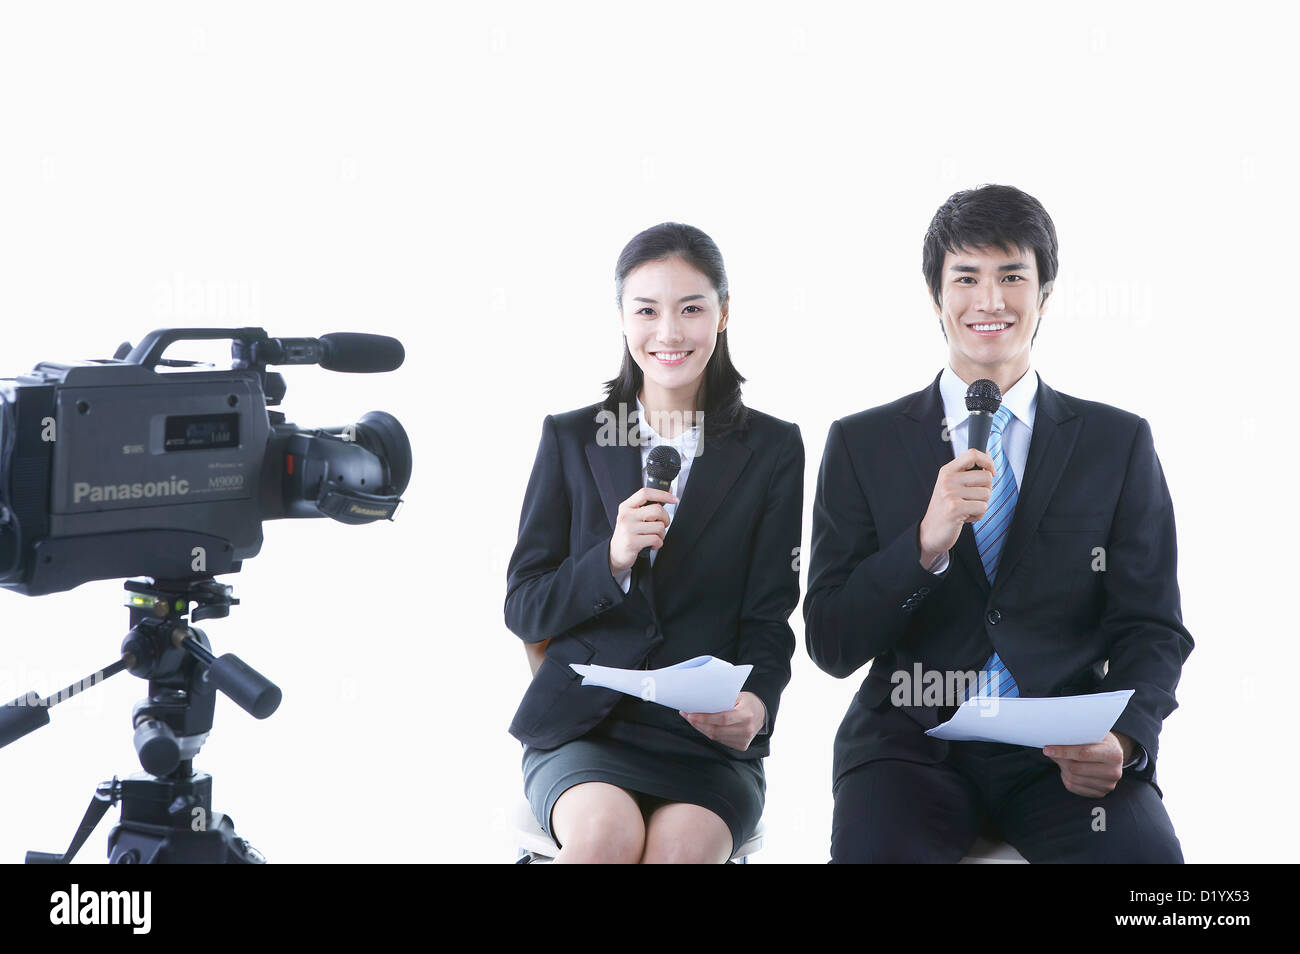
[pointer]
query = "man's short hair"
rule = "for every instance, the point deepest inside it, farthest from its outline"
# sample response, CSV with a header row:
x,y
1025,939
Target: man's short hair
x,y
992,215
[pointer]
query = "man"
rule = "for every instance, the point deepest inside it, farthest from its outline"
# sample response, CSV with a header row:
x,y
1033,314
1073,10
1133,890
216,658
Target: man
x,y
1046,565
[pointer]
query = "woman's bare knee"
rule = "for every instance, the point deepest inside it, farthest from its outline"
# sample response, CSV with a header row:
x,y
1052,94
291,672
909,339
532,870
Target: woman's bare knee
x,y
682,833
598,823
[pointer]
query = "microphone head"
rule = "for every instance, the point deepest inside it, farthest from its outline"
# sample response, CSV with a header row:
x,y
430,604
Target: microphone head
x,y
663,464
983,395
361,353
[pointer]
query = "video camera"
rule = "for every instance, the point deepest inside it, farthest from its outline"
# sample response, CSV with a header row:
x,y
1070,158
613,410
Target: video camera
x,y
111,469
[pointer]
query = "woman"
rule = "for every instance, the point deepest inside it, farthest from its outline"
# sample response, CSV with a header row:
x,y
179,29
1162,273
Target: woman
x,y
607,571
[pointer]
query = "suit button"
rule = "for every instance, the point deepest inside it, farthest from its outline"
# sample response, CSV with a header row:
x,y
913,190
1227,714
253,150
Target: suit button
x,y
924,591
994,617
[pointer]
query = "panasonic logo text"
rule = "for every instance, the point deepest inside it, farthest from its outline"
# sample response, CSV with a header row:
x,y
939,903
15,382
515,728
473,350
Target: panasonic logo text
x,y
98,493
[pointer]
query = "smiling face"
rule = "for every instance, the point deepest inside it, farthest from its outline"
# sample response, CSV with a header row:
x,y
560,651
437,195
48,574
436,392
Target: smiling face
x,y
671,318
990,310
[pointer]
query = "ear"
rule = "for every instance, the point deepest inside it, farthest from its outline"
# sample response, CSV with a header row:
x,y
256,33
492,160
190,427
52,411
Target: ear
x,y
726,313
1043,295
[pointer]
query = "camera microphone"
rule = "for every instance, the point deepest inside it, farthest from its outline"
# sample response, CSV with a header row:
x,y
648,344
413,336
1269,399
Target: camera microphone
x,y
341,351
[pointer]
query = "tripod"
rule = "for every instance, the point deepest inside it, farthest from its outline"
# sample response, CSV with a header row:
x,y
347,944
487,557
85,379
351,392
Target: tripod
x,y
167,814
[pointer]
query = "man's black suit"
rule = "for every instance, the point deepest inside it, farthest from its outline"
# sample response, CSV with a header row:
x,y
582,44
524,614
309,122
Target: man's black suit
x,y
1093,491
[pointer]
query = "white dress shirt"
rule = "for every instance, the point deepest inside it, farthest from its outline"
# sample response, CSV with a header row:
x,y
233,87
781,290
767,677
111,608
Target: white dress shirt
x,y
686,444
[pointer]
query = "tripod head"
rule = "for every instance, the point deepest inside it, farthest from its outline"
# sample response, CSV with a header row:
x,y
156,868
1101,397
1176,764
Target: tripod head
x,y
178,663
171,724
184,676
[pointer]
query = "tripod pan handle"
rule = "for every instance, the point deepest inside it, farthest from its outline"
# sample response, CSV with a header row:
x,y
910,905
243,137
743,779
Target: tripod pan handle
x,y
25,714
249,689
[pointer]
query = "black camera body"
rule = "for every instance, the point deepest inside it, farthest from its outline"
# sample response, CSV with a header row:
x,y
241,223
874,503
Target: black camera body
x,y
110,468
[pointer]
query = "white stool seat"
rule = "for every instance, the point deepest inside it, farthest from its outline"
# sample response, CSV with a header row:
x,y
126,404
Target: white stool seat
x,y
532,840
986,852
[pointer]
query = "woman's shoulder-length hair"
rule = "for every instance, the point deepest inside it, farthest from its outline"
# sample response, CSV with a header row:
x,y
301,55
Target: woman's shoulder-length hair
x,y
724,411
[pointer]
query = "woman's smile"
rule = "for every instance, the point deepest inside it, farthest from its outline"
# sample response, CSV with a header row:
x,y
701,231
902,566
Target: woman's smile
x,y
671,359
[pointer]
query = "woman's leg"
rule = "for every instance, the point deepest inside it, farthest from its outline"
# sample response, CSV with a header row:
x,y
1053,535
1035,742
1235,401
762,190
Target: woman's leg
x,y
598,823
682,833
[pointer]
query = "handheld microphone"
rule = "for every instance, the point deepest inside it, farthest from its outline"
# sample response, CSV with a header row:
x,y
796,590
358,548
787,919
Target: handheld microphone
x,y
661,469
983,398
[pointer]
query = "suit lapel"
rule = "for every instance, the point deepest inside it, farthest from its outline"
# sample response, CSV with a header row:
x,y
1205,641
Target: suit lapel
x,y
923,433
1056,427
616,469
714,471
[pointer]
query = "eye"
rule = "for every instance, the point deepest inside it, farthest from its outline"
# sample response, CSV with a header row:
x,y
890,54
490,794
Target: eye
x,y
1018,278
963,279
642,311
692,308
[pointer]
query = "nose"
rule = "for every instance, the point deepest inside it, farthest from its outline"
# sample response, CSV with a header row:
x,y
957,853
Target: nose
x,y
990,298
671,330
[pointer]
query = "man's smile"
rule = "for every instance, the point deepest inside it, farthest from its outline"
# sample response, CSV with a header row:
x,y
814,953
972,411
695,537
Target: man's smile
x,y
990,329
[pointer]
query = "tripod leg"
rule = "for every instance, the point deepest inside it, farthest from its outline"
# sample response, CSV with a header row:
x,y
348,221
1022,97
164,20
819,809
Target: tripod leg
x,y
106,795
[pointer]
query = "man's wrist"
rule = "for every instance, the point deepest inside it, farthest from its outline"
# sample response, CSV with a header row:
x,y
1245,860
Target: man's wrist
x,y
935,563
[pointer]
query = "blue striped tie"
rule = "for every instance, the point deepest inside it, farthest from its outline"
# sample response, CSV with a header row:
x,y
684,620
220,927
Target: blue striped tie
x,y
990,536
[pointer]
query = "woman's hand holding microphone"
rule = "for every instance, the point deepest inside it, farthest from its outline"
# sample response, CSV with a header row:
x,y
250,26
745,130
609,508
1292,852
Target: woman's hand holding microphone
x,y
642,522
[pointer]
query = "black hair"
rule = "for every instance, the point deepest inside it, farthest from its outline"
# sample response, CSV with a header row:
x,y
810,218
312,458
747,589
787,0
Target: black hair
x,y
723,409
992,215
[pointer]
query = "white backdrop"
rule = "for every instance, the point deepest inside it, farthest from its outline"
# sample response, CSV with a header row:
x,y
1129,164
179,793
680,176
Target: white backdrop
x,y
465,178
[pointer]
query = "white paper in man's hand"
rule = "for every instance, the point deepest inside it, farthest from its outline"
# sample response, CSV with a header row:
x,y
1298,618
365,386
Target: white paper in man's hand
x,y
702,684
1038,722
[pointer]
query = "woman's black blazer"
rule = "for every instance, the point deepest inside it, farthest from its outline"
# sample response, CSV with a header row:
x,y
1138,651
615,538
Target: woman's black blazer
x,y
724,583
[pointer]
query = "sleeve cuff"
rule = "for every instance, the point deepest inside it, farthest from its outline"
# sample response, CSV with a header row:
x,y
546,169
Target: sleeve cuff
x,y
1139,761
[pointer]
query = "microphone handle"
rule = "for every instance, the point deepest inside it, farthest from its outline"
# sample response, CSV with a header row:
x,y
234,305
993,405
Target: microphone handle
x,y
654,484
981,425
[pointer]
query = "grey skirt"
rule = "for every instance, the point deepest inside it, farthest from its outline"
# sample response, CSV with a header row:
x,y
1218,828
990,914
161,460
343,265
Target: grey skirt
x,y
639,747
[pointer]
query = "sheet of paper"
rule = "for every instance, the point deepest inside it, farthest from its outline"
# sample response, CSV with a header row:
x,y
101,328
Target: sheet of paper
x,y
702,684
1056,720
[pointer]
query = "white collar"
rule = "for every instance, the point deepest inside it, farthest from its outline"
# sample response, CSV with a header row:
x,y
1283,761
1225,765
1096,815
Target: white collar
x,y
686,440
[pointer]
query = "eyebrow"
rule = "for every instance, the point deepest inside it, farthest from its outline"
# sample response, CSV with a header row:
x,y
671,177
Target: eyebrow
x,y
1009,267
679,301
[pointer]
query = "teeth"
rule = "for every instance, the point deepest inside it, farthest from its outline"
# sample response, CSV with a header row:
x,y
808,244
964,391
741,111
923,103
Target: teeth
x,y
671,355
994,327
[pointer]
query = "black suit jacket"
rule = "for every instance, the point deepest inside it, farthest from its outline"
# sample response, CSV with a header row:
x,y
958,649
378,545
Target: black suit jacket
x,y
1092,480
724,583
